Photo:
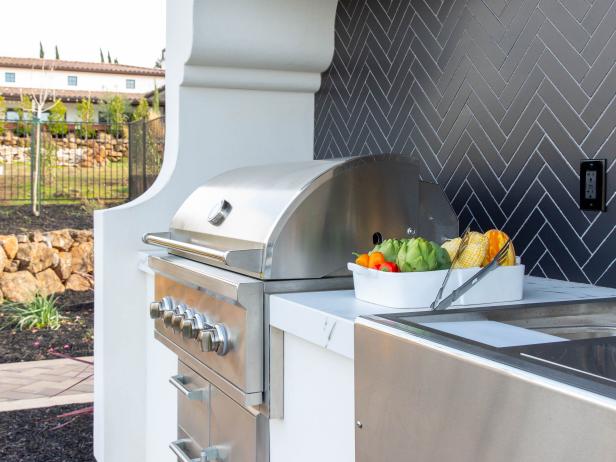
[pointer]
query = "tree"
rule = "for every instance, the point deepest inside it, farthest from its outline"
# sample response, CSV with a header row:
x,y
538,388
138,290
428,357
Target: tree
x,y
39,101
2,113
108,57
85,112
41,51
57,120
156,101
102,55
142,111
57,53
116,115
160,61
24,108
115,61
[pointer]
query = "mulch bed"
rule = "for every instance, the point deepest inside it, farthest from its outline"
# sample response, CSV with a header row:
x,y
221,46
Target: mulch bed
x,y
19,219
74,338
29,435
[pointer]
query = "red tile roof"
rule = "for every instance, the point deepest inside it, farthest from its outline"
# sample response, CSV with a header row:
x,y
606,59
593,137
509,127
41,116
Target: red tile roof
x,y
14,93
78,66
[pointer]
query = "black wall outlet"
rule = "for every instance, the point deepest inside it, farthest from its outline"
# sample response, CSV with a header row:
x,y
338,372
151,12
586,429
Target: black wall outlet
x,y
593,175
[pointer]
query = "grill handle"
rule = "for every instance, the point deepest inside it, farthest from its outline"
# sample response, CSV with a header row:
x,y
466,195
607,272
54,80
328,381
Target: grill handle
x,y
161,240
246,259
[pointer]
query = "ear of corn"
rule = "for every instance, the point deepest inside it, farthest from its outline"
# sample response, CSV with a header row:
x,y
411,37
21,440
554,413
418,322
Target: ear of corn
x,y
475,251
452,247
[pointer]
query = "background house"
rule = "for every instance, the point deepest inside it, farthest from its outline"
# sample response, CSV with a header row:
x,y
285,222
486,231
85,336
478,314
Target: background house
x,y
72,81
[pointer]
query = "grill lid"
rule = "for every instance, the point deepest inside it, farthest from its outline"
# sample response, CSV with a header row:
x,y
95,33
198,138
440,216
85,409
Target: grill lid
x,y
303,219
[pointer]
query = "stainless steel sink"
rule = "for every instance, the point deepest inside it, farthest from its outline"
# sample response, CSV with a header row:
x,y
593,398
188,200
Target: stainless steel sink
x,y
574,322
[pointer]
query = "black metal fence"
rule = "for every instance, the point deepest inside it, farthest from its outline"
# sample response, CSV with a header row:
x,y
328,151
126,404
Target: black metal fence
x,y
146,147
78,161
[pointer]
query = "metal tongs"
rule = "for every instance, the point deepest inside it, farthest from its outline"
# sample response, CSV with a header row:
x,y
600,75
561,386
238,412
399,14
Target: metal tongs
x,y
461,249
498,260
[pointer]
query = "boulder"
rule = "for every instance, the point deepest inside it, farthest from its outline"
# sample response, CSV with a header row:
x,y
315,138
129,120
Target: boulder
x,y
60,239
9,244
4,261
22,238
78,282
37,236
83,257
20,287
12,267
49,282
82,235
35,257
64,267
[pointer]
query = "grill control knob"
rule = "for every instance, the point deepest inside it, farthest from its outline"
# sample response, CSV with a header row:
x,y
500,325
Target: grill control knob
x,y
158,308
178,315
168,317
214,338
191,325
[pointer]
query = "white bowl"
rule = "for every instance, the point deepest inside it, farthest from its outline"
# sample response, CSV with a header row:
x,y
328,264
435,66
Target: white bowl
x,y
418,289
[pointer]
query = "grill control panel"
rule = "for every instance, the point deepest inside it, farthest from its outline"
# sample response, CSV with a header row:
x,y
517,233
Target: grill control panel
x,y
192,325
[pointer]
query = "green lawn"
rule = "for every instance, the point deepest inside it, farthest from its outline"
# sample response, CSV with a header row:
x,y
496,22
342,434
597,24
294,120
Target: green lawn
x,y
62,184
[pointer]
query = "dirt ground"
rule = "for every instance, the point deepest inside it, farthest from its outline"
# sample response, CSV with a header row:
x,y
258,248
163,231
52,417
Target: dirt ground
x,y
19,219
30,436
75,337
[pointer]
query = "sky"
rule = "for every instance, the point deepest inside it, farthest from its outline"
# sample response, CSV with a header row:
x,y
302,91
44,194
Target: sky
x,y
132,30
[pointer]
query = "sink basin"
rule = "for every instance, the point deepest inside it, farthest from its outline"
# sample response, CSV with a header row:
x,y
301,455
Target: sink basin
x,y
579,338
573,322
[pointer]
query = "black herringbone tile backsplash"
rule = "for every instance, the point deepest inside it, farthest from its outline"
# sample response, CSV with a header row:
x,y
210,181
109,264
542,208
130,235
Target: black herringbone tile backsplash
x,y
500,100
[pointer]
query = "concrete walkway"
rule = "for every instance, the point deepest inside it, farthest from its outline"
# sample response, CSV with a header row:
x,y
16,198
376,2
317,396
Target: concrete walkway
x,y
45,383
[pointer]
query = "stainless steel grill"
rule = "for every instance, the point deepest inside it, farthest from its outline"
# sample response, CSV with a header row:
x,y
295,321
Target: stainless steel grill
x,y
245,235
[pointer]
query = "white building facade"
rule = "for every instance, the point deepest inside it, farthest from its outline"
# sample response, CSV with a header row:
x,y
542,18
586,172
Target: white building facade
x,y
72,81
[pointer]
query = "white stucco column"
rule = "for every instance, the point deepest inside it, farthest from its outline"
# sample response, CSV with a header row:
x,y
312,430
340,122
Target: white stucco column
x,y
240,86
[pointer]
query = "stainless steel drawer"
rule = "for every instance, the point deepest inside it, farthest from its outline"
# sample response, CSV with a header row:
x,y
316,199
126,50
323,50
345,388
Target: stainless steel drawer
x,y
193,405
239,435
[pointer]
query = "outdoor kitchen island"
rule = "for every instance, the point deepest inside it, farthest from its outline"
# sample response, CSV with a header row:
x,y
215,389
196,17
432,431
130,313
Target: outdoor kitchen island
x,y
320,388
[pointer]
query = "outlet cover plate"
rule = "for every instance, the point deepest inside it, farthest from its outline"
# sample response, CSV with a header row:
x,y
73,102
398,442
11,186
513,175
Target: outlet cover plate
x,y
593,173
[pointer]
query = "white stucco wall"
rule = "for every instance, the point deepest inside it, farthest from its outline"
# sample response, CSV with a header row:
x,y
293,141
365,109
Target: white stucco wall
x,y
241,78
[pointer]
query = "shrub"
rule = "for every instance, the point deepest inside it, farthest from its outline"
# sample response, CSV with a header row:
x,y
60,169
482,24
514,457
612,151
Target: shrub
x,y
85,110
23,114
57,120
116,115
2,113
85,131
142,111
40,313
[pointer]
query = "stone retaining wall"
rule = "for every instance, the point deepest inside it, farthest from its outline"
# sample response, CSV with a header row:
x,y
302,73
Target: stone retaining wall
x,y
45,263
69,150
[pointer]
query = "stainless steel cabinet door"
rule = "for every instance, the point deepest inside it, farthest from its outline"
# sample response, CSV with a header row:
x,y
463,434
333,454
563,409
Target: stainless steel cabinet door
x,y
417,401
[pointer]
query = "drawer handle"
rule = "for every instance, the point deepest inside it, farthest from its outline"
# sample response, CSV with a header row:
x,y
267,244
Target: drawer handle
x,y
179,382
177,447
211,454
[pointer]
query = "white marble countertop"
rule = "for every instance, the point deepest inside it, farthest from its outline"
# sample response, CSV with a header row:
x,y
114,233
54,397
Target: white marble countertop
x,y
326,318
